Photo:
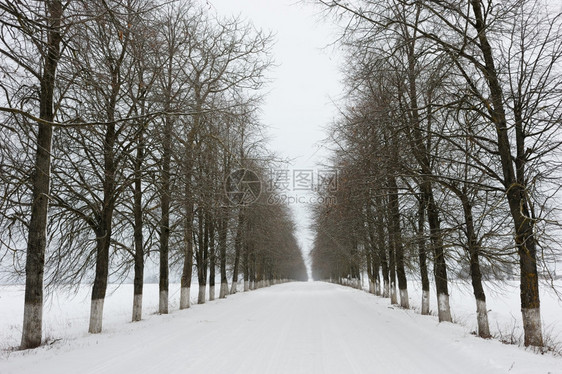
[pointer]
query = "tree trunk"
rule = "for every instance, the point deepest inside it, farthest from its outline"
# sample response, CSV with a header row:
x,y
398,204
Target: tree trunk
x,y
439,265
515,190
374,256
165,218
385,274
223,232
394,219
37,235
246,262
376,276
201,256
212,259
422,154
391,262
260,273
137,230
475,274
237,250
253,270
382,248
369,269
187,270
100,284
104,230
423,256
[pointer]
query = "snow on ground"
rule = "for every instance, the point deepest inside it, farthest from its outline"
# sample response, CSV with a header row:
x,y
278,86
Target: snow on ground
x,y
504,307
67,314
309,327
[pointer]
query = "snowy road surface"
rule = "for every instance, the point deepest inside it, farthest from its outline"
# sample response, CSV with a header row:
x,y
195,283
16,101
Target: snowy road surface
x,y
291,328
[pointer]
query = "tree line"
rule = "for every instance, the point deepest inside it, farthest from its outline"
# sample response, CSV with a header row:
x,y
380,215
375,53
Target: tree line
x,y
120,122
448,147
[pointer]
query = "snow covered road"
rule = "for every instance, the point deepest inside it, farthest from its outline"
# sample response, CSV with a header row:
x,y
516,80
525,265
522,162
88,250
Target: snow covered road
x,y
291,328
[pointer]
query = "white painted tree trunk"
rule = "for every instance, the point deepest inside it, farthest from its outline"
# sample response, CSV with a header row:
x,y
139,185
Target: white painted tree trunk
x,y
137,308
404,301
33,317
393,295
233,288
223,290
201,296
253,285
425,303
184,297
386,290
163,302
246,286
211,293
444,310
377,287
532,325
482,317
96,316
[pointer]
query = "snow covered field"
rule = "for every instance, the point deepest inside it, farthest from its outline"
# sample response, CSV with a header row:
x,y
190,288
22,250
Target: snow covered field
x,y
504,305
291,328
67,314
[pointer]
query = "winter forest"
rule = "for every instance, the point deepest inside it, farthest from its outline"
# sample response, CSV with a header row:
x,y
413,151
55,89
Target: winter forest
x,y
133,151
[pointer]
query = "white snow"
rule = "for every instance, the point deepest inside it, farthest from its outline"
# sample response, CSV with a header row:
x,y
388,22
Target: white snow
x,y
291,328
504,307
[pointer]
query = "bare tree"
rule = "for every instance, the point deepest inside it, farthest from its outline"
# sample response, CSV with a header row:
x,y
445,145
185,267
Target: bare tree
x,y
32,37
503,57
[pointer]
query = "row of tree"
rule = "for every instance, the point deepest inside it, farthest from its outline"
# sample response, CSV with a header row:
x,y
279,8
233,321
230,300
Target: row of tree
x,y
448,150
121,120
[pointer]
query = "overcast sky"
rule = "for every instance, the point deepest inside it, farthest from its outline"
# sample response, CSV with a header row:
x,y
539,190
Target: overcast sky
x,y
304,83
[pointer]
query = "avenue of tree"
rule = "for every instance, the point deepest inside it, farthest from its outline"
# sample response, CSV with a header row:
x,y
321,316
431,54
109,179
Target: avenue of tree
x,y
120,122
448,147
